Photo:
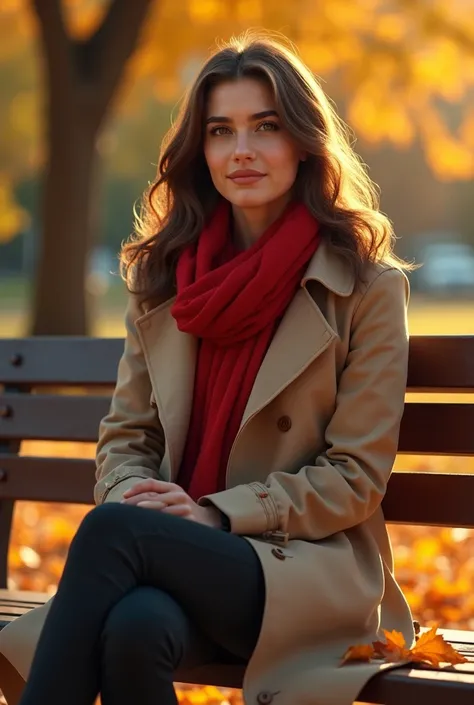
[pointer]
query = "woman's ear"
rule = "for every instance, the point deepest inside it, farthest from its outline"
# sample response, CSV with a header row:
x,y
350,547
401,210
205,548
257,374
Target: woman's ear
x,y
303,156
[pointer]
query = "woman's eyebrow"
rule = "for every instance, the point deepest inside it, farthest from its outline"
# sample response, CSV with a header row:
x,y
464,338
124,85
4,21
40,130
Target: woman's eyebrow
x,y
255,116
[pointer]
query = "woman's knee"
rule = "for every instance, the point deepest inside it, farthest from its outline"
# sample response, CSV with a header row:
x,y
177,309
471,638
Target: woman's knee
x,y
146,627
113,518
104,517
109,523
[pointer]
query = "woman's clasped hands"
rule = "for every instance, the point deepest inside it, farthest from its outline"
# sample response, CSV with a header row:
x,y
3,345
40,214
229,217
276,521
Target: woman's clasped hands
x,y
170,498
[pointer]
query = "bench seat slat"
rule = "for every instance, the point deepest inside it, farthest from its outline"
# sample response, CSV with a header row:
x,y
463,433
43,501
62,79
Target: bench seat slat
x,y
412,686
406,685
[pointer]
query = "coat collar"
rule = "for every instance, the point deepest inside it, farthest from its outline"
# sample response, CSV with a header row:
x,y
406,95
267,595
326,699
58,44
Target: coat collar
x,y
331,270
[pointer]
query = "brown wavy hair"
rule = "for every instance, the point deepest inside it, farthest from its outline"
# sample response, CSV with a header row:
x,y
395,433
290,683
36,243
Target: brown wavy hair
x,y
332,182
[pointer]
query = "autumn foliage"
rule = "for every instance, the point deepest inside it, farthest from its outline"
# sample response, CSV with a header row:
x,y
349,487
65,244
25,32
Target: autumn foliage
x,y
430,648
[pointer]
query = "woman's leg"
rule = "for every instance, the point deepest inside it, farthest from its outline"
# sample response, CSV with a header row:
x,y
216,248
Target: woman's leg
x,y
145,637
215,577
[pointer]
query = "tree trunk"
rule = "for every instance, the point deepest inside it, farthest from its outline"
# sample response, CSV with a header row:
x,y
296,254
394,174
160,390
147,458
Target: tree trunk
x,y
70,188
81,82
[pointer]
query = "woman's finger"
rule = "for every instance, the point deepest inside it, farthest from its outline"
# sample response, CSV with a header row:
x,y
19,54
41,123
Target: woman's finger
x,y
149,504
179,497
143,497
149,485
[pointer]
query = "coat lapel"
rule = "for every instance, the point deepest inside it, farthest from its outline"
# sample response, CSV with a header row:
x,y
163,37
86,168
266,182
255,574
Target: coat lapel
x,y
301,337
303,334
171,359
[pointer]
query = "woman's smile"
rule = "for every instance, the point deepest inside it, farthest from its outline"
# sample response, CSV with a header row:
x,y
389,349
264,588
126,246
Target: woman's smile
x,y
246,177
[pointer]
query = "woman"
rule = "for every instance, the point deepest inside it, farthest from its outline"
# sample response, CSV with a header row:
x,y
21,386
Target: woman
x,y
255,420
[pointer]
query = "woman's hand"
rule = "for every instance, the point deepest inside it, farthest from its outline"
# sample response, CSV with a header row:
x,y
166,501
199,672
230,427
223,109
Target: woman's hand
x,y
171,499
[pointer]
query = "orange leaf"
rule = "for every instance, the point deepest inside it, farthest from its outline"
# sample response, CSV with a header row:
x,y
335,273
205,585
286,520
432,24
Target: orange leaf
x,y
361,652
395,640
433,649
395,649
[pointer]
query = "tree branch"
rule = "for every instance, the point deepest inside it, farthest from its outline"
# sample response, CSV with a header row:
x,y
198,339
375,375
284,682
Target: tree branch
x,y
55,42
112,45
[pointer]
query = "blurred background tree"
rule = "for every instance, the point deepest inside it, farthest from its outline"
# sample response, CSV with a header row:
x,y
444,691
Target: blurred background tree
x,y
88,86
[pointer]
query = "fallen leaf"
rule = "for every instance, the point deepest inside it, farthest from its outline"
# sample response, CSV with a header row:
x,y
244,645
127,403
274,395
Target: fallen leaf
x,y
433,649
361,652
389,652
395,648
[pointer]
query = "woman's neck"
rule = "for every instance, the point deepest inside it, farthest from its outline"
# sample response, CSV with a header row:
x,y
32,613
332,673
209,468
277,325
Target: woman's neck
x,y
249,224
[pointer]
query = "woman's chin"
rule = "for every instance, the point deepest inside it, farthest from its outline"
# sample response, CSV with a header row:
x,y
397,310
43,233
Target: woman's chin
x,y
249,200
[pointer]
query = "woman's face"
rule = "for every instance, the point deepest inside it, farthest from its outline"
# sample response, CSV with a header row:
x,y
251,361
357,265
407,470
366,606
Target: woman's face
x,y
252,159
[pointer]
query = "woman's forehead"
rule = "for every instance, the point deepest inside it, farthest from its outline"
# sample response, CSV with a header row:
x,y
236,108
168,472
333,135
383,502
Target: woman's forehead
x,y
244,98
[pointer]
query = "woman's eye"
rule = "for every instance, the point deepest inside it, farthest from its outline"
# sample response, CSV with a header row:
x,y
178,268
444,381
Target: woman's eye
x,y
263,127
219,130
268,126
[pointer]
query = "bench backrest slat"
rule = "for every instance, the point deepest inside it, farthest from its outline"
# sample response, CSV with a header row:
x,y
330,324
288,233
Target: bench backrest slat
x,y
47,479
51,418
426,428
437,429
58,360
443,363
412,497
430,499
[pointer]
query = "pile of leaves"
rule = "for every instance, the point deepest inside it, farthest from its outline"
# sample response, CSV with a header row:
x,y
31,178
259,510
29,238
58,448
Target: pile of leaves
x,y
430,649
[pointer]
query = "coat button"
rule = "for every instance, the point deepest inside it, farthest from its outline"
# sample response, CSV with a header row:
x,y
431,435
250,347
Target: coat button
x,y
278,553
284,423
265,697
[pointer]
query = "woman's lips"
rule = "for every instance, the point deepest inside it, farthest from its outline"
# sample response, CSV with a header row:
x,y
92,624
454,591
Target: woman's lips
x,y
245,180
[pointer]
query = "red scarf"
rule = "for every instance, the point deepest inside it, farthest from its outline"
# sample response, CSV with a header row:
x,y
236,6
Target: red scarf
x,y
232,301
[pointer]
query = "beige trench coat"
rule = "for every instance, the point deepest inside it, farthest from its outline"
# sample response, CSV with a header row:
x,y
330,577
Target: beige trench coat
x,y
320,435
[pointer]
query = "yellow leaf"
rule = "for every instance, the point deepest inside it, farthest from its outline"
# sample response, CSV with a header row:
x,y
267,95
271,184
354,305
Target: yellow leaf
x,y
390,27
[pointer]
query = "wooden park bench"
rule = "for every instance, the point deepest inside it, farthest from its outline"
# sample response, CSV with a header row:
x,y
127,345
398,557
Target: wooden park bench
x,y
437,364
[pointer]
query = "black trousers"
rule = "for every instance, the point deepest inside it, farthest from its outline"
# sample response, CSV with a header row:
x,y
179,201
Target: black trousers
x,y
142,593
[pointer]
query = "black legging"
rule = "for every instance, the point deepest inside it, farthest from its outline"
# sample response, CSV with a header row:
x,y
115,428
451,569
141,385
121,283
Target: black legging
x,y
142,593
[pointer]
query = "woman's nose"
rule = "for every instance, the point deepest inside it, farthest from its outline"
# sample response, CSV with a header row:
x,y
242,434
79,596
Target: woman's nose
x,y
243,147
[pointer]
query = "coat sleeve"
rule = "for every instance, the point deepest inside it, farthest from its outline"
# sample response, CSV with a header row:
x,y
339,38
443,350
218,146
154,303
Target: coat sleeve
x,y
131,439
348,480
